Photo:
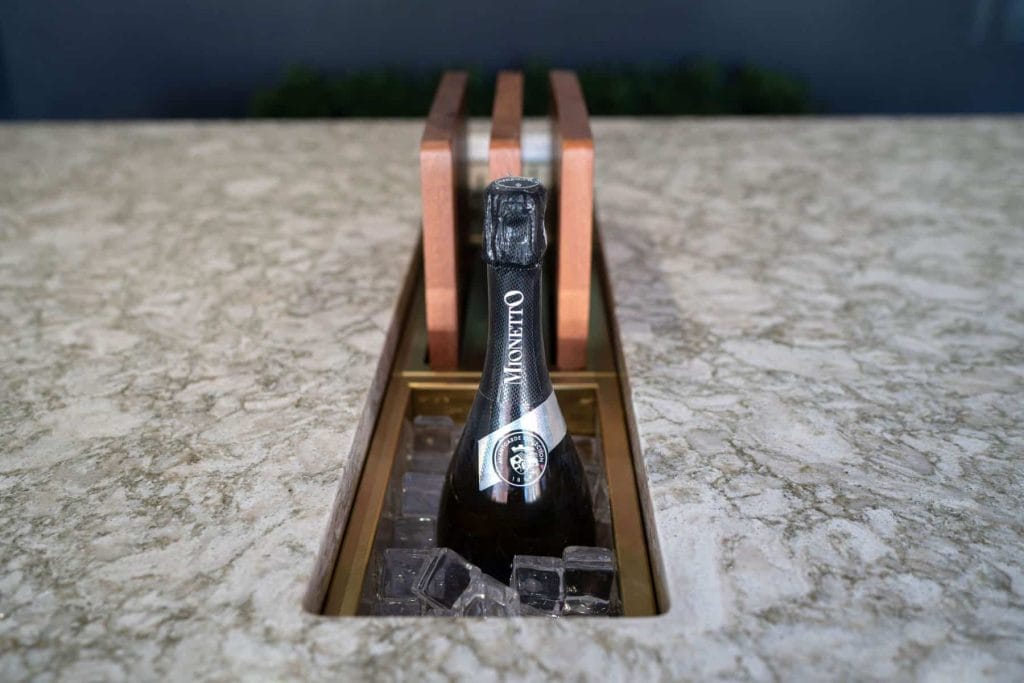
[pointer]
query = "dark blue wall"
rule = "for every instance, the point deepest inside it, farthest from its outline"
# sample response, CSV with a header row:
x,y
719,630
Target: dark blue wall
x,y
144,58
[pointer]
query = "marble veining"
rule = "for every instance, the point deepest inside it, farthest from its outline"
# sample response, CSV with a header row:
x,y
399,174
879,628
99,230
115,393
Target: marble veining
x,y
822,324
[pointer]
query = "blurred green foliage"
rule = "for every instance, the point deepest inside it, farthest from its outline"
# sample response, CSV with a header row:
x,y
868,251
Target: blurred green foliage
x,y
699,87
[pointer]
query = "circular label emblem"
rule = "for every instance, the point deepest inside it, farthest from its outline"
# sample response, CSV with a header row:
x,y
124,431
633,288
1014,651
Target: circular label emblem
x,y
520,458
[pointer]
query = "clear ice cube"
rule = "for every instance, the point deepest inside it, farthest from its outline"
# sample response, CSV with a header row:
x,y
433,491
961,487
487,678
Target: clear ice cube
x,y
398,570
443,580
429,462
538,581
398,607
432,433
405,439
602,503
589,580
415,532
421,494
577,606
392,500
488,597
588,450
404,452
432,445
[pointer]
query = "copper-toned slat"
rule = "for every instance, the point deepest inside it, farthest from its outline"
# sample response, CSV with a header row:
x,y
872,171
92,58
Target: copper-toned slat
x,y
442,150
575,174
505,156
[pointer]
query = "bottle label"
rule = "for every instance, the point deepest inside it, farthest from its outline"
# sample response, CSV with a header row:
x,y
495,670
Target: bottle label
x,y
517,453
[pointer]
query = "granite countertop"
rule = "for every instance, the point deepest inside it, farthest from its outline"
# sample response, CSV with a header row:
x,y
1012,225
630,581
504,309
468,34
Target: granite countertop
x,y
822,325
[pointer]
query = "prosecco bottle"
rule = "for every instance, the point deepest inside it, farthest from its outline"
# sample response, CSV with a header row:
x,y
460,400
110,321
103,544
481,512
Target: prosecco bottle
x,y
515,485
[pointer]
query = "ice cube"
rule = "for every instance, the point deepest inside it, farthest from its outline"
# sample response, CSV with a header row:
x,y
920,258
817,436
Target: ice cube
x,y
415,532
402,454
443,580
488,597
589,580
588,571
405,439
432,433
589,451
429,462
577,606
392,500
398,607
433,444
421,494
601,501
398,570
538,580
594,476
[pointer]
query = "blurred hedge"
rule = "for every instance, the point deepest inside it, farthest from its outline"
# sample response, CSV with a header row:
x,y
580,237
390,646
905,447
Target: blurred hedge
x,y
700,87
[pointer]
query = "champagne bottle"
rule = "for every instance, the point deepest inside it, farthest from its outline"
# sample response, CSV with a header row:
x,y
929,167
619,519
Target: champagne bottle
x,y
515,485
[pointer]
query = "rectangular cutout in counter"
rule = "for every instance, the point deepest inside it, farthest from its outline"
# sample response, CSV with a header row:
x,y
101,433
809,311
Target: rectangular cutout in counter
x,y
591,401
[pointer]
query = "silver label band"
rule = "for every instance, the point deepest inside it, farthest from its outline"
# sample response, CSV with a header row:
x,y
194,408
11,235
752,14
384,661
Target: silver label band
x,y
520,448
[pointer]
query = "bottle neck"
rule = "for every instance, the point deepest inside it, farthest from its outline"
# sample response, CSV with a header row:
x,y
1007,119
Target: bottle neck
x,y
515,367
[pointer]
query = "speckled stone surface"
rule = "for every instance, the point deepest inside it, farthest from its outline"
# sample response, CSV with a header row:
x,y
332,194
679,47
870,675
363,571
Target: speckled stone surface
x,y
822,322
